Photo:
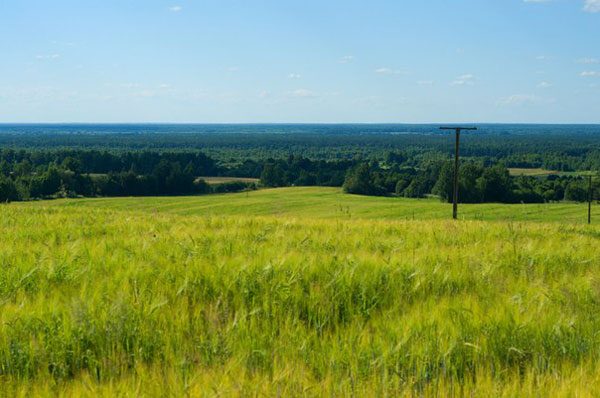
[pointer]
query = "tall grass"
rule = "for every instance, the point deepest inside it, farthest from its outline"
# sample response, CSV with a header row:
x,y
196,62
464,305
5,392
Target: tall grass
x,y
114,303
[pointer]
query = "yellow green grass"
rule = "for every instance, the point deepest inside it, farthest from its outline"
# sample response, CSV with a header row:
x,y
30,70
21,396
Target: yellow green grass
x,y
531,172
221,180
330,203
175,297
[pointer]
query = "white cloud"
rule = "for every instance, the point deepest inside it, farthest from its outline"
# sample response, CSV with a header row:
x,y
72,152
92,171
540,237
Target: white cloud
x,y
588,61
544,85
588,5
233,69
39,94
263,94
544,57
294,76
302,93
146,93
464,80
520,99
389,71
51,56
176,8
62,43
425,82
589,73
347,59
592,6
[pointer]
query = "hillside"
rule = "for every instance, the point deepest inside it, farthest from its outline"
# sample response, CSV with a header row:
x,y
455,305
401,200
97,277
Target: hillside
x,y
329,203
176,296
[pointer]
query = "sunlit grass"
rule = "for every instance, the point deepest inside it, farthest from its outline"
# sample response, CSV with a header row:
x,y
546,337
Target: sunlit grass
x,y
331,203
135,302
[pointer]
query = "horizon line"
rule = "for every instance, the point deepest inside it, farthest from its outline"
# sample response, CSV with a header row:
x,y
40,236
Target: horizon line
x,y
293,123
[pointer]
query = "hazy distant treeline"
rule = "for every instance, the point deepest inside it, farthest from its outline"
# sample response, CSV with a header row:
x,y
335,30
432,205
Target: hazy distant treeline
x,y
560,148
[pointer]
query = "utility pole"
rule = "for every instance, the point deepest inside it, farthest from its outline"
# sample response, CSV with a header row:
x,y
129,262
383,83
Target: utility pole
x,y
456,156
590,196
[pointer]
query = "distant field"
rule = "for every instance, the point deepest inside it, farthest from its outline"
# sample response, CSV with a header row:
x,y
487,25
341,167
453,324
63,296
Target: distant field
x,y
221,180
543,173
197,297
209,180
531,172
329,203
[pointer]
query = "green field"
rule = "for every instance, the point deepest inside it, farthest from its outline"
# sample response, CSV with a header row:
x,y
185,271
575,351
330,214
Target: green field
x,y
531,172
329,203
300,292
222,180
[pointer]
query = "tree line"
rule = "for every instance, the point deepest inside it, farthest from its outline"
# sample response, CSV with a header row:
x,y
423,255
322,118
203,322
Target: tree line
x,y
77,172
70,173
559,148
477,184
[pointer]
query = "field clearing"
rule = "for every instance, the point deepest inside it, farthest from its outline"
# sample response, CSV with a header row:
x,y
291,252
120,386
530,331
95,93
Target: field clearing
x,y
222,180
544,173
532,172
104,302
330,203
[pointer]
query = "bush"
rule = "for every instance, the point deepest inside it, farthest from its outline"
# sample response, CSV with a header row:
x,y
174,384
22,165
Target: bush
x,y
233,186
272,176
8,190
359,181
576,192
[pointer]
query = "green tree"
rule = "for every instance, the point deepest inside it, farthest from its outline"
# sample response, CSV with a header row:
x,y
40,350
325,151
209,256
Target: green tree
x,y
72,164
272,175
8,190
576,192
4,168
443,186
495,184
394,158
359,181
23,168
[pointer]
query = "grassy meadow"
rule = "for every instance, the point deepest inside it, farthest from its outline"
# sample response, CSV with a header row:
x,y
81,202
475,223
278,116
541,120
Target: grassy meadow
x,y
221,180
531,172
297,293
328,203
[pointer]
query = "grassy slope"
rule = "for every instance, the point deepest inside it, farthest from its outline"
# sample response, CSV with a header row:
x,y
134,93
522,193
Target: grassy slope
x,y
331,203
99,300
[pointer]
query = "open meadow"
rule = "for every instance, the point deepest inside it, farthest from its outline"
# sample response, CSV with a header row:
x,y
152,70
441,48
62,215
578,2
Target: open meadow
x,y
261,199
328,203
297,292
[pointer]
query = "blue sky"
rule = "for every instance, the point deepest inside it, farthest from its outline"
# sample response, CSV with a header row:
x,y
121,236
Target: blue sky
x,y
300,61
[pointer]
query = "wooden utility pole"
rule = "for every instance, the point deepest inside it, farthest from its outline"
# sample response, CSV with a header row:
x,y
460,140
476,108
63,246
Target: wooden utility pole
x,y
456,166
590,196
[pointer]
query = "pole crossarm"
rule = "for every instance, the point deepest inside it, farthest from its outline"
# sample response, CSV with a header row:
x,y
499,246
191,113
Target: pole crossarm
x,y
457,130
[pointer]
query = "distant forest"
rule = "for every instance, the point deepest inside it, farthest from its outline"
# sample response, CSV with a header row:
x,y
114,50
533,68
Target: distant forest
x,y
50,173
48,161
553,147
